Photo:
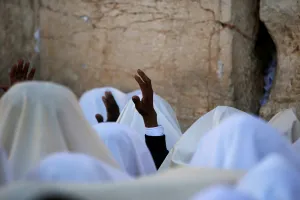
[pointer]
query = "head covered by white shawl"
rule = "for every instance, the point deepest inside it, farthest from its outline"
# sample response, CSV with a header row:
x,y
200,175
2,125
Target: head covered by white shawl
x,y
128,148
70,167
184,149
165,115
240,142
40,118
274,178
92,104
287,123
221,192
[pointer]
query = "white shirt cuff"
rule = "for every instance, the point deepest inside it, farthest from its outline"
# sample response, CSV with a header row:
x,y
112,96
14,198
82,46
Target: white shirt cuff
x,y
155,131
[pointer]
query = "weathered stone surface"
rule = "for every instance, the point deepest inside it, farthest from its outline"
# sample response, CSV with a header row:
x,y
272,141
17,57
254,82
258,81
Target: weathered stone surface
x,y
283,22
18,22
197,52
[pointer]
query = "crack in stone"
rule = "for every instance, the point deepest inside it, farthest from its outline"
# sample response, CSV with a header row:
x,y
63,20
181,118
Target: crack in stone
x,y
209,64
166,17
207,9
235,28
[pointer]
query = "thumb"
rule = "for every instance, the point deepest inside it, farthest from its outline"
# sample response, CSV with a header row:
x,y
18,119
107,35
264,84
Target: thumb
x,y
99,118
137,102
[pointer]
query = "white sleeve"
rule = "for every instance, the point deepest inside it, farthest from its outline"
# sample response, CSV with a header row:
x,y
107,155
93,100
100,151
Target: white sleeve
x,y
155,131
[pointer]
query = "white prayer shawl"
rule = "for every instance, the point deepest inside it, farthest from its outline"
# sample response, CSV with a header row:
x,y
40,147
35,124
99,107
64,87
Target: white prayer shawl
x,y
221,193
75,168
287,123
92,104
5,170
274,178
128,148
41,118
240,142
296,145
165,115
184,149
174,184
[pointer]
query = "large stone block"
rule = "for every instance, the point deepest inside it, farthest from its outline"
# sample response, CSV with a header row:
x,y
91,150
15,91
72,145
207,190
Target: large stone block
x,y
199,53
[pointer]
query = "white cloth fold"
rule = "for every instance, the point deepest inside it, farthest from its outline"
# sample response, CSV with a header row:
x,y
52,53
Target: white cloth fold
x,y
5,170
41,118
296,145
183,151
287,123
75,168
165,115
128,148
221,192
240,142
274,178
92,104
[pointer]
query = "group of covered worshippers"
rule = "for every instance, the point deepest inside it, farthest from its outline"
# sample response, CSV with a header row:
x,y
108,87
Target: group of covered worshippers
x,y
112,145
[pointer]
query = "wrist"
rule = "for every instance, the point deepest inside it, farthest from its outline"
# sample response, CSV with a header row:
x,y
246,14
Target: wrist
x,y
113,118
150,121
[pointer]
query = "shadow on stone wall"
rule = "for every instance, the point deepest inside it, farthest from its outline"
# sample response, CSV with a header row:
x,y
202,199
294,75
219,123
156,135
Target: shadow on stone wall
x,y
266,53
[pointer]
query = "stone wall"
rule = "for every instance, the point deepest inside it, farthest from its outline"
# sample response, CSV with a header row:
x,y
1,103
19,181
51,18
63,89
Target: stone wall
x,y
18,21
199,53
282,20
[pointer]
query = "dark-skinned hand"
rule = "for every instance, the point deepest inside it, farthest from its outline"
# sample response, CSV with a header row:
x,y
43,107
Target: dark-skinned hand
x,y
19,73
145,105
112,108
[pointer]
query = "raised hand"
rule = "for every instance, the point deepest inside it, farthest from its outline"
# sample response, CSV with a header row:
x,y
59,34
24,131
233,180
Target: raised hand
x,y
19,73
112,108
145,105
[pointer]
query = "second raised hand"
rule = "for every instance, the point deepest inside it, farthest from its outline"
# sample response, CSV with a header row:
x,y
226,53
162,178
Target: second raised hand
x,y
20,72
112,108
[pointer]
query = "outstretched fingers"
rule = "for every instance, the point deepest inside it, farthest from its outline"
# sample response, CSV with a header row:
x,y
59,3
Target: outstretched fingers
x,y
112,108
25,70
141,83
110,98
31,74
144,77
13,71
145,84
20,66
145,105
